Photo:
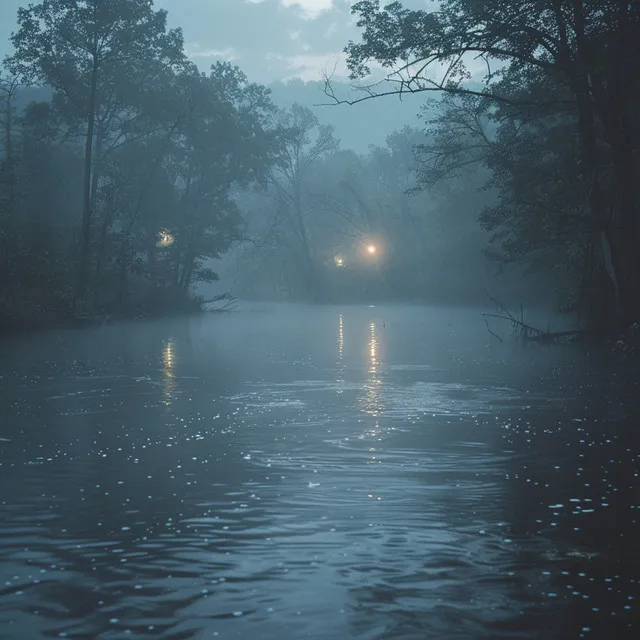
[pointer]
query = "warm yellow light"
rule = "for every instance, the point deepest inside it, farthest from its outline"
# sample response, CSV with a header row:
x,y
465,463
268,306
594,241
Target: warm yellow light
x,y
371,249
339,261
165,239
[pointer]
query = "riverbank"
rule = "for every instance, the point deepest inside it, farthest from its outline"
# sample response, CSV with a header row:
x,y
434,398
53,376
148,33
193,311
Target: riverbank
x,y
68,320
626,343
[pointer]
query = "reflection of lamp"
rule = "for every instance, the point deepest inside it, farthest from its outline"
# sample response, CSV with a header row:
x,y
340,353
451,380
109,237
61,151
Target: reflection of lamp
x,y
373,343
340,363
168,361
371,403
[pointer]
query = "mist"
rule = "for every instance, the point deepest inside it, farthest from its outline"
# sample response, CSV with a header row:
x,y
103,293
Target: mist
x,y
319,319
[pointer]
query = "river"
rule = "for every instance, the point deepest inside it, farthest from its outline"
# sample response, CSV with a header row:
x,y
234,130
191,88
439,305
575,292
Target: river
x,y
289,471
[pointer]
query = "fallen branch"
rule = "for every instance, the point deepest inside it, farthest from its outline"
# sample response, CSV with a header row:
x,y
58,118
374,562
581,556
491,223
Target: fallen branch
x,y
524,328
492,332
229,303
526,331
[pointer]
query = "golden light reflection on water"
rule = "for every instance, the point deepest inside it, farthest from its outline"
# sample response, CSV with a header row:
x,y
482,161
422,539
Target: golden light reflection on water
x,y
371,403
373,432
340,361
168,363
373,345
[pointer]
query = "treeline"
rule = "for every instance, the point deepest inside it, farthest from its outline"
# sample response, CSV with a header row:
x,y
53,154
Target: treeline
x,y
324,207
116,190
132,171
554,121
120,186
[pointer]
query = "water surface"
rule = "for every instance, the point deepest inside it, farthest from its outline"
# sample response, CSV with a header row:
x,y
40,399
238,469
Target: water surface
x,y
301,472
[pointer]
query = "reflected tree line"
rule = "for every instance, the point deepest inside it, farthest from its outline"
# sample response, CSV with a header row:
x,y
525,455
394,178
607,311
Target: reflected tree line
x,y
126,172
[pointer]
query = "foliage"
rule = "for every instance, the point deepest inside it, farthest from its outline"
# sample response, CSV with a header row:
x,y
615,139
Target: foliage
x,y
117,192
350,200
564,115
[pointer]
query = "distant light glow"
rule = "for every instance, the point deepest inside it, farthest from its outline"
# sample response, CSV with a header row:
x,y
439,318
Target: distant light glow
x,y
165,239
371,249
339,261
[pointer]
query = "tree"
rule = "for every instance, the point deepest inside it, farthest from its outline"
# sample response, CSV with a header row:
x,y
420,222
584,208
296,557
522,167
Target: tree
x,y
581,47
350,200
226,142
91,53
34,260
8,88
303,142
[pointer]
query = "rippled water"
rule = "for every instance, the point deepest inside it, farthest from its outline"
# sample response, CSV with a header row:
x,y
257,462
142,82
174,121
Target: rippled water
x,y
305,472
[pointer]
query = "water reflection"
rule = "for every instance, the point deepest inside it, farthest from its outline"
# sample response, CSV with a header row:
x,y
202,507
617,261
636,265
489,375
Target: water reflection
x,y
168,363
340,361
373,345
371,403
505,518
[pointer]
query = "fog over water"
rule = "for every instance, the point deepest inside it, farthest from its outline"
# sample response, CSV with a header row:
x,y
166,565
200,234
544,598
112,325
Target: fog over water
x,y
345,472
319,319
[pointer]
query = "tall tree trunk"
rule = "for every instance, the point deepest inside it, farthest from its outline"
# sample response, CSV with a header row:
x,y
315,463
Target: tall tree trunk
x,y
105,224
187,273
152,264
100,258
613,94
312,274
8,149
189,260
122,280
85,250
602,288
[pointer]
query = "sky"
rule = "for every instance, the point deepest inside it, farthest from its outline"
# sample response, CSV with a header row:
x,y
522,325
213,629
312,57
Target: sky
x,y
268,39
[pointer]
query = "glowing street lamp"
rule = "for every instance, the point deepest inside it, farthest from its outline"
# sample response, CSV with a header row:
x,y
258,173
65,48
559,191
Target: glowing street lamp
x,y
165,239
371,249
339,262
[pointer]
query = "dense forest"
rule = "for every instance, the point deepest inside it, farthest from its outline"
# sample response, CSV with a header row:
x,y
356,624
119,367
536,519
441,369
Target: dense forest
x,y
561,94
127,173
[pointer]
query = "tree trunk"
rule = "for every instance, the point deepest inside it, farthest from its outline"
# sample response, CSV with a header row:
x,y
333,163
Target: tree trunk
x,y
614,100
187,274
101,247
153,273
602,287
122,281
85,250
189,260
8,147
312,274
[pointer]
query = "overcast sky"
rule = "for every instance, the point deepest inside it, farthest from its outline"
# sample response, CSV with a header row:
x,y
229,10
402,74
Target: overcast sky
x,y
269,39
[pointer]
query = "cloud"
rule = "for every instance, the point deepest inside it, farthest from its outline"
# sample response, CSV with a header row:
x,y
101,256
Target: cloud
x,y
269,39
308,67
195,51
310,9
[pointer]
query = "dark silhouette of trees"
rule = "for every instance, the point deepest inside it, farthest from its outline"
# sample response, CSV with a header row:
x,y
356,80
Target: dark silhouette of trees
x,y
116,191
556,83
98,57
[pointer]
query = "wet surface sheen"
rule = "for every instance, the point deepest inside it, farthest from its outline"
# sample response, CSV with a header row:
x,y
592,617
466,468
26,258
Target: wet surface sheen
x,y
298,472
